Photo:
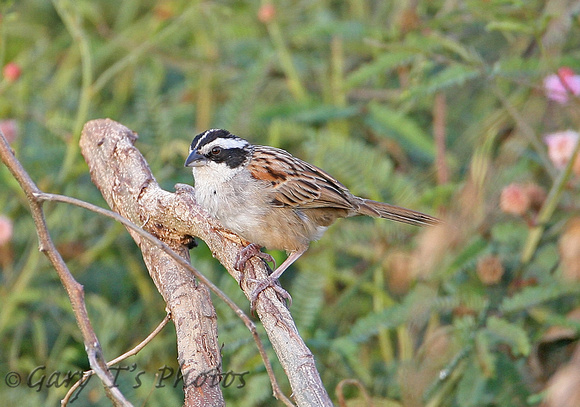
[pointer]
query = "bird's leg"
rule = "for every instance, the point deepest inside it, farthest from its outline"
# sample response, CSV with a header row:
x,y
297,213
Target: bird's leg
x,y
272,280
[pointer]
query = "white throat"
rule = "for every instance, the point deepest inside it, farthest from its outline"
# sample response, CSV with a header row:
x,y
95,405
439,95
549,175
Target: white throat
x,y
225,193
212,181
213,174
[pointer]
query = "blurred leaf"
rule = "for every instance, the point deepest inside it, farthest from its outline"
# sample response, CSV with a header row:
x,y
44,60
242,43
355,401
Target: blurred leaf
x,y
379,67
308,295
357,164
466,258
531,296
471,388
313,115
404,129
510,26
511,334
484,354
416,308
450,76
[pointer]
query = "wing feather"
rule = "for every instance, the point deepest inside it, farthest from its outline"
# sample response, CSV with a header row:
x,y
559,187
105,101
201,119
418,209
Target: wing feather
x,y
297,183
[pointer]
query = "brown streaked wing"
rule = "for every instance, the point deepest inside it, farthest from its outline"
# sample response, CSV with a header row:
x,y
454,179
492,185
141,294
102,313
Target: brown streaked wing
x,y
309,187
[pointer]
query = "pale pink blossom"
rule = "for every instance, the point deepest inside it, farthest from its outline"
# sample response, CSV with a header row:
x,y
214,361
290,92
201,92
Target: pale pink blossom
x,y
10,129
5,230
561,146
266,13
11,71
514,199
560,86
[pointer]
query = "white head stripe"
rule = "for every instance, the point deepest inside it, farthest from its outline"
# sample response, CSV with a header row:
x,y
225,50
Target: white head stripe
x,y
225,143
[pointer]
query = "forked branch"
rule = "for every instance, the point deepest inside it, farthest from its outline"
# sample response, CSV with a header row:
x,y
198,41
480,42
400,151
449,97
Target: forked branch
x,y
123,177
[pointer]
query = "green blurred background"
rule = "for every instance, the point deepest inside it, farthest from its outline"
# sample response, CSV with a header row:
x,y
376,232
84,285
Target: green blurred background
x,y
433,105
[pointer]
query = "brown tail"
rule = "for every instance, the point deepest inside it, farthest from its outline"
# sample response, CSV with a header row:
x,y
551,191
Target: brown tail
x,y
396,213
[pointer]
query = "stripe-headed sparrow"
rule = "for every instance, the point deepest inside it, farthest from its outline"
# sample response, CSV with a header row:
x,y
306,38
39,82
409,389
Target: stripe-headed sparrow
x,y
273,199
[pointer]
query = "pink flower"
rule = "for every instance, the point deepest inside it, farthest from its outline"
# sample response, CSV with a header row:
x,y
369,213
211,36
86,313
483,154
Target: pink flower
x,y
514,199
5,230
561,146
266,13
10,129
560,86
11,71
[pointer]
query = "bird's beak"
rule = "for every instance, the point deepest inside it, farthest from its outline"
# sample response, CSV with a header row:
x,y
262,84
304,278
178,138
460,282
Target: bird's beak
x,y
195,160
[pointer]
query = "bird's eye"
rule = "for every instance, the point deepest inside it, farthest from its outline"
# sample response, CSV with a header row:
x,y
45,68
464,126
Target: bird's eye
x,y
216,151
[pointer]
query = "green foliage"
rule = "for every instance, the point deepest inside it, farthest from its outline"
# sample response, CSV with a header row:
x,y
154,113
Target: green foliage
x,y
378,66
356,87
532,296
511,334
406,130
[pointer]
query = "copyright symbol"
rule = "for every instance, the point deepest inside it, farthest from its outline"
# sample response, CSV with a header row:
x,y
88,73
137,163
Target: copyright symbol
x,y
12,379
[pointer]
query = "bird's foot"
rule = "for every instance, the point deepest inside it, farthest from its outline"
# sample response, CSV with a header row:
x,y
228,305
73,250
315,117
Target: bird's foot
x,y
250,251
262,284
253,250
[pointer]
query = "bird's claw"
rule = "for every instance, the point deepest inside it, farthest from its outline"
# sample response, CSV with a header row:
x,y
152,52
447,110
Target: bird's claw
x,y
261,285
251,250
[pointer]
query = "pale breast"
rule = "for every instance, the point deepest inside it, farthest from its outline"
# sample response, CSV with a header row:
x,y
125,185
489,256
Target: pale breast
x,y
243,206
236,202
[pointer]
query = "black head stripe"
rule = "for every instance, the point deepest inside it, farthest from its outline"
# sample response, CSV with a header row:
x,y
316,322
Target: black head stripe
x,y
231,150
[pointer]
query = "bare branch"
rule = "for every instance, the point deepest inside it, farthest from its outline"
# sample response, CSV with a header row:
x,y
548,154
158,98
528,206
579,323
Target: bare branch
x,y
143,343
340,392
126,182
74,290
158,243
439,132
129,353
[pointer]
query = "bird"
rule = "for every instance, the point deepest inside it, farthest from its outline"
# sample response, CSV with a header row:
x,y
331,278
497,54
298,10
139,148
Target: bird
x,y
274,200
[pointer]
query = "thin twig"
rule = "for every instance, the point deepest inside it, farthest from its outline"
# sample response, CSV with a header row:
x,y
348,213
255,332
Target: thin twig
x,y
145,341
439,130
340,392
129,353
74,290
42,196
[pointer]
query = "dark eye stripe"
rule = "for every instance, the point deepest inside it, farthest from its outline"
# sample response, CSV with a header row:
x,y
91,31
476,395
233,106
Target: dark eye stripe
x,y
221,146
233,157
